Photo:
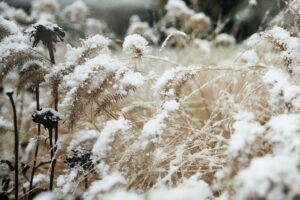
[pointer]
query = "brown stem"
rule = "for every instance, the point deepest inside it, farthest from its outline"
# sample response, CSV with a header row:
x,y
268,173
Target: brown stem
x,y
52,161
86,181
53,150
10,95
37,143
51,52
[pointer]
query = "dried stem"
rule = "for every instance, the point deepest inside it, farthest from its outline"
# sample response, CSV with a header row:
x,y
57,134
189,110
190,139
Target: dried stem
x,y
52,161
37,145
53,148
86,181
10,95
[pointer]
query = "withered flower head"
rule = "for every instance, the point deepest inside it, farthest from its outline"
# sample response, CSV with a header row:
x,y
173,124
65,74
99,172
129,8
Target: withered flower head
x,y
47,33
46,116
80,159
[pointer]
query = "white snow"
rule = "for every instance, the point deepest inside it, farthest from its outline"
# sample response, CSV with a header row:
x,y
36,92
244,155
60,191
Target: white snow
x,y
133,78
101,186
106,136
225,39
135,44
171,105
191,189
177,8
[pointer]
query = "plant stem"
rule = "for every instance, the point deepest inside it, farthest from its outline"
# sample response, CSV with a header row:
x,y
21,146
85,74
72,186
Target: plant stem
x,y
85,180
37,143
55,93
51,52
10,95
52,160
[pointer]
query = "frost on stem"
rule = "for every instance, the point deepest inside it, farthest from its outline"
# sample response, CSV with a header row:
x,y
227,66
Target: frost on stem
x,y
47,116
47,33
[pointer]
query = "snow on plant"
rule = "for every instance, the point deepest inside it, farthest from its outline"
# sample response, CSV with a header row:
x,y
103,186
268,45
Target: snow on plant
x,y
190,123
135,45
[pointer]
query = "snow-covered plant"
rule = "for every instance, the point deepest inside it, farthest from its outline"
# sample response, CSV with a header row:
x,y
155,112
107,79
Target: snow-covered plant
x,y
135,45
167,114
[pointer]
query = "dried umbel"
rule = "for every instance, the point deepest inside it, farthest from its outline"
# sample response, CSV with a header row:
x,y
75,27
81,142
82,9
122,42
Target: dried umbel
x,y
80,159
48,34
46,116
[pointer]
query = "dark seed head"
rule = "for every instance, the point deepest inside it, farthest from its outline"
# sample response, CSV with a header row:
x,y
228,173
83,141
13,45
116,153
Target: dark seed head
x,y
47,33
80,159
47,116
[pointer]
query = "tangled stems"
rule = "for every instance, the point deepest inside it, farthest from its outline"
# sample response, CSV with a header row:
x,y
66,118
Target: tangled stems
x,y
10,95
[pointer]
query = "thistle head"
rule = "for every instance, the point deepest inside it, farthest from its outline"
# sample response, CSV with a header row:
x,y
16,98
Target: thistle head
x,y
46,116
47,33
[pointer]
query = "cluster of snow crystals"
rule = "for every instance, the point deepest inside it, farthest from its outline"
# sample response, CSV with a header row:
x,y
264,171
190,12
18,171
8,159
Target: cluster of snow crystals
x,y
97,41
191,189
168,76
92,66
82,136
177,8
14,42
250,57
135,45
37,180
67,182
156,125
285,133
76,12
171,105
204,46
133,78
106,136
253,40
73,54
282,88
289,46
99,187
246,131
224,39
268,177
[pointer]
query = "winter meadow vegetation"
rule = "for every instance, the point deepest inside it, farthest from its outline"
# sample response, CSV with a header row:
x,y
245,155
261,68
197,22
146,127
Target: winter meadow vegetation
x,y
177,111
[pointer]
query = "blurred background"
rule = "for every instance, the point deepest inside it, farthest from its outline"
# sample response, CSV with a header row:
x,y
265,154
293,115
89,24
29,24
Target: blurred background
x,y
242,17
